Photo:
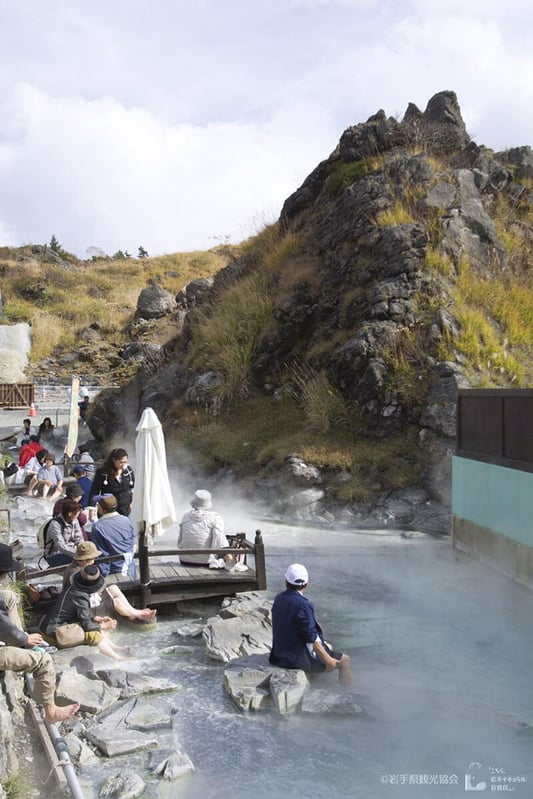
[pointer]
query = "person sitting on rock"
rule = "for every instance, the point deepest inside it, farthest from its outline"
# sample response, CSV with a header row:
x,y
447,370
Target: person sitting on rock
x,y
49,480
113,533
45,433
297,640
85,458
29,450
63,534
73,605
202,528
22,651
117,478
75,492
84,482
24,433
110,598
27,474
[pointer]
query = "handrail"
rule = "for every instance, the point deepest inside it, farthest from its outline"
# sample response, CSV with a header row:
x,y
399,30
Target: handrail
x,y
248,550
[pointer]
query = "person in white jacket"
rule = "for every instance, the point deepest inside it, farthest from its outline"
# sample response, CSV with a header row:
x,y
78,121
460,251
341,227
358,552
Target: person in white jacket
x,y
202,528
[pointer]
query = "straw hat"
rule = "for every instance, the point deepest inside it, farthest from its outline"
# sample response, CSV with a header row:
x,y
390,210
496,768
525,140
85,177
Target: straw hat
x,y
86,550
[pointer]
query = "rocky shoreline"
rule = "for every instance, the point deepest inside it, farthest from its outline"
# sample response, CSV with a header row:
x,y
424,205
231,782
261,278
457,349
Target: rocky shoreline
x,y
124,738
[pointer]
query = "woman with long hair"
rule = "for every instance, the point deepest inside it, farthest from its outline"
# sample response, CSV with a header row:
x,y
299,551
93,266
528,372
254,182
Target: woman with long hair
x,y
45,433
117,478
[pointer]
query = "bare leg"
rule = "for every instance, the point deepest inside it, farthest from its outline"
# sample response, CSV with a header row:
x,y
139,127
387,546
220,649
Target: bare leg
x,y
111,650
344,667
123,607
32,484
46,489
54,714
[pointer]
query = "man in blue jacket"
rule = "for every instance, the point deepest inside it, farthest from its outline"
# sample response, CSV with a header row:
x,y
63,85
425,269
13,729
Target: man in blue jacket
x,y
113,534
297,640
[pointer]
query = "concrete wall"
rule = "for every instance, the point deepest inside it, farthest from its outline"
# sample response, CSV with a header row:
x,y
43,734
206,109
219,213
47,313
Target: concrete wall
x,y
492,513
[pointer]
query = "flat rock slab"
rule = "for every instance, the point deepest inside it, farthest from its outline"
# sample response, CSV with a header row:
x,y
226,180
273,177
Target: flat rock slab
x,y
134,714
124,785
133,684
248,687
178,650
112,742
145,717
191,629
170,764
92,695
320,700
237,636
247,602
287,688
259,687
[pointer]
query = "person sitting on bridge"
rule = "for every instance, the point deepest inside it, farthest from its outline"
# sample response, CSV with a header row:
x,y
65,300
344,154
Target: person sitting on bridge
x,y
63,534
202,528
297,640
22,652
110,598
114,534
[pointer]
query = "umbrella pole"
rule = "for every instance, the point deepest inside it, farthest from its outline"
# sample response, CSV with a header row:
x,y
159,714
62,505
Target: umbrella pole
x,y
144,569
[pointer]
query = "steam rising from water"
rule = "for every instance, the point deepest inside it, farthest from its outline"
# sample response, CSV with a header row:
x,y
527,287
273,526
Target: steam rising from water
x,y
15,346
442,650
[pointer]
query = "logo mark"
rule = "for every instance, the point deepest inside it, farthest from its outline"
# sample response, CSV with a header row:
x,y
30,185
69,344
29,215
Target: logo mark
x,y
472,780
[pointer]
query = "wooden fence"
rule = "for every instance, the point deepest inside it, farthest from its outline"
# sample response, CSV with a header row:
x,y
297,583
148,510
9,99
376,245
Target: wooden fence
x,y
17,395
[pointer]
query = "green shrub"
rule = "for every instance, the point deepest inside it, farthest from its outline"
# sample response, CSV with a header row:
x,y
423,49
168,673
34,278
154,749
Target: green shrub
x,y
343,175
227,336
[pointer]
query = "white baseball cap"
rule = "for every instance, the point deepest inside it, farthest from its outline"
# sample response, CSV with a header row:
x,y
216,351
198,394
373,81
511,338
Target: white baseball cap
x,y
297,574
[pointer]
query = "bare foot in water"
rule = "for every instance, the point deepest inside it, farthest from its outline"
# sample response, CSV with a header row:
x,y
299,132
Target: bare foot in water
x,y
53,714
146,615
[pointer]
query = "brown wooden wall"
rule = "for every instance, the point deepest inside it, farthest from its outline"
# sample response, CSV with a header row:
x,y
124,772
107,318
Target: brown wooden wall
x,y
17,395
496,426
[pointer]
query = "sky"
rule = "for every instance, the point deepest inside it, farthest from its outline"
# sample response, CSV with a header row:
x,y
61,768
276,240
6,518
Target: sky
x,y
177,125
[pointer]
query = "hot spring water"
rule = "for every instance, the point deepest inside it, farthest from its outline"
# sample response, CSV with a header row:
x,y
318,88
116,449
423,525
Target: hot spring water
x,y
442,650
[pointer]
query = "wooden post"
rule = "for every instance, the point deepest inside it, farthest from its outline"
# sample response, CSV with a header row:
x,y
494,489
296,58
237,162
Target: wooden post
x,y
144,569
260,568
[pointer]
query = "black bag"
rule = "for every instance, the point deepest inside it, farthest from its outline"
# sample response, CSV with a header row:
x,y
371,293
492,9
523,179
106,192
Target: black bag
x,y
10,469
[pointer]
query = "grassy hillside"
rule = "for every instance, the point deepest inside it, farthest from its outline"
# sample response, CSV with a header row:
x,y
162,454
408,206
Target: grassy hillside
x,y
60,300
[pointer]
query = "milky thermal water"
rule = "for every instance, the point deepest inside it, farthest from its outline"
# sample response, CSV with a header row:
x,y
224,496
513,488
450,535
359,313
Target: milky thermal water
x,y
442,650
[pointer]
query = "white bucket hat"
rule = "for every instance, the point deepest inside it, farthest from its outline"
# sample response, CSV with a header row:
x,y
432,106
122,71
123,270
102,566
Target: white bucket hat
x,y
201,499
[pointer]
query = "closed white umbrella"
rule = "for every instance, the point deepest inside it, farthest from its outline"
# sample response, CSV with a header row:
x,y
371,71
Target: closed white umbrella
x,y
153,506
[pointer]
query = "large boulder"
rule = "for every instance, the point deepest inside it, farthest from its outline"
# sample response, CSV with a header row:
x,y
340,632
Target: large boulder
x,y
155,302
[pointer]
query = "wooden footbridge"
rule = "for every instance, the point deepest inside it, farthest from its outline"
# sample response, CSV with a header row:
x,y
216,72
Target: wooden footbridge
x,y
162,579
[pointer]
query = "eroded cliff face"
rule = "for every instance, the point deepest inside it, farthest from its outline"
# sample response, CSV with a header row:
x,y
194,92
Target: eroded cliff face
x,y
383,256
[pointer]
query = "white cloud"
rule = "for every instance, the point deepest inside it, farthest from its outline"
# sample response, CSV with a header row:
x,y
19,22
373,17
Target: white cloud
x,y
97,173
172,123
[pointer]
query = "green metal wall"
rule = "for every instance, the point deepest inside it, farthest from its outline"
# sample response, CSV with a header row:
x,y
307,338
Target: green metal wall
x,y
494,497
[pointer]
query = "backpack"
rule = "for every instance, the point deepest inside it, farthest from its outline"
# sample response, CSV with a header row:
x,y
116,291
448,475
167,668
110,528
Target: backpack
x,y
41,534
43,530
